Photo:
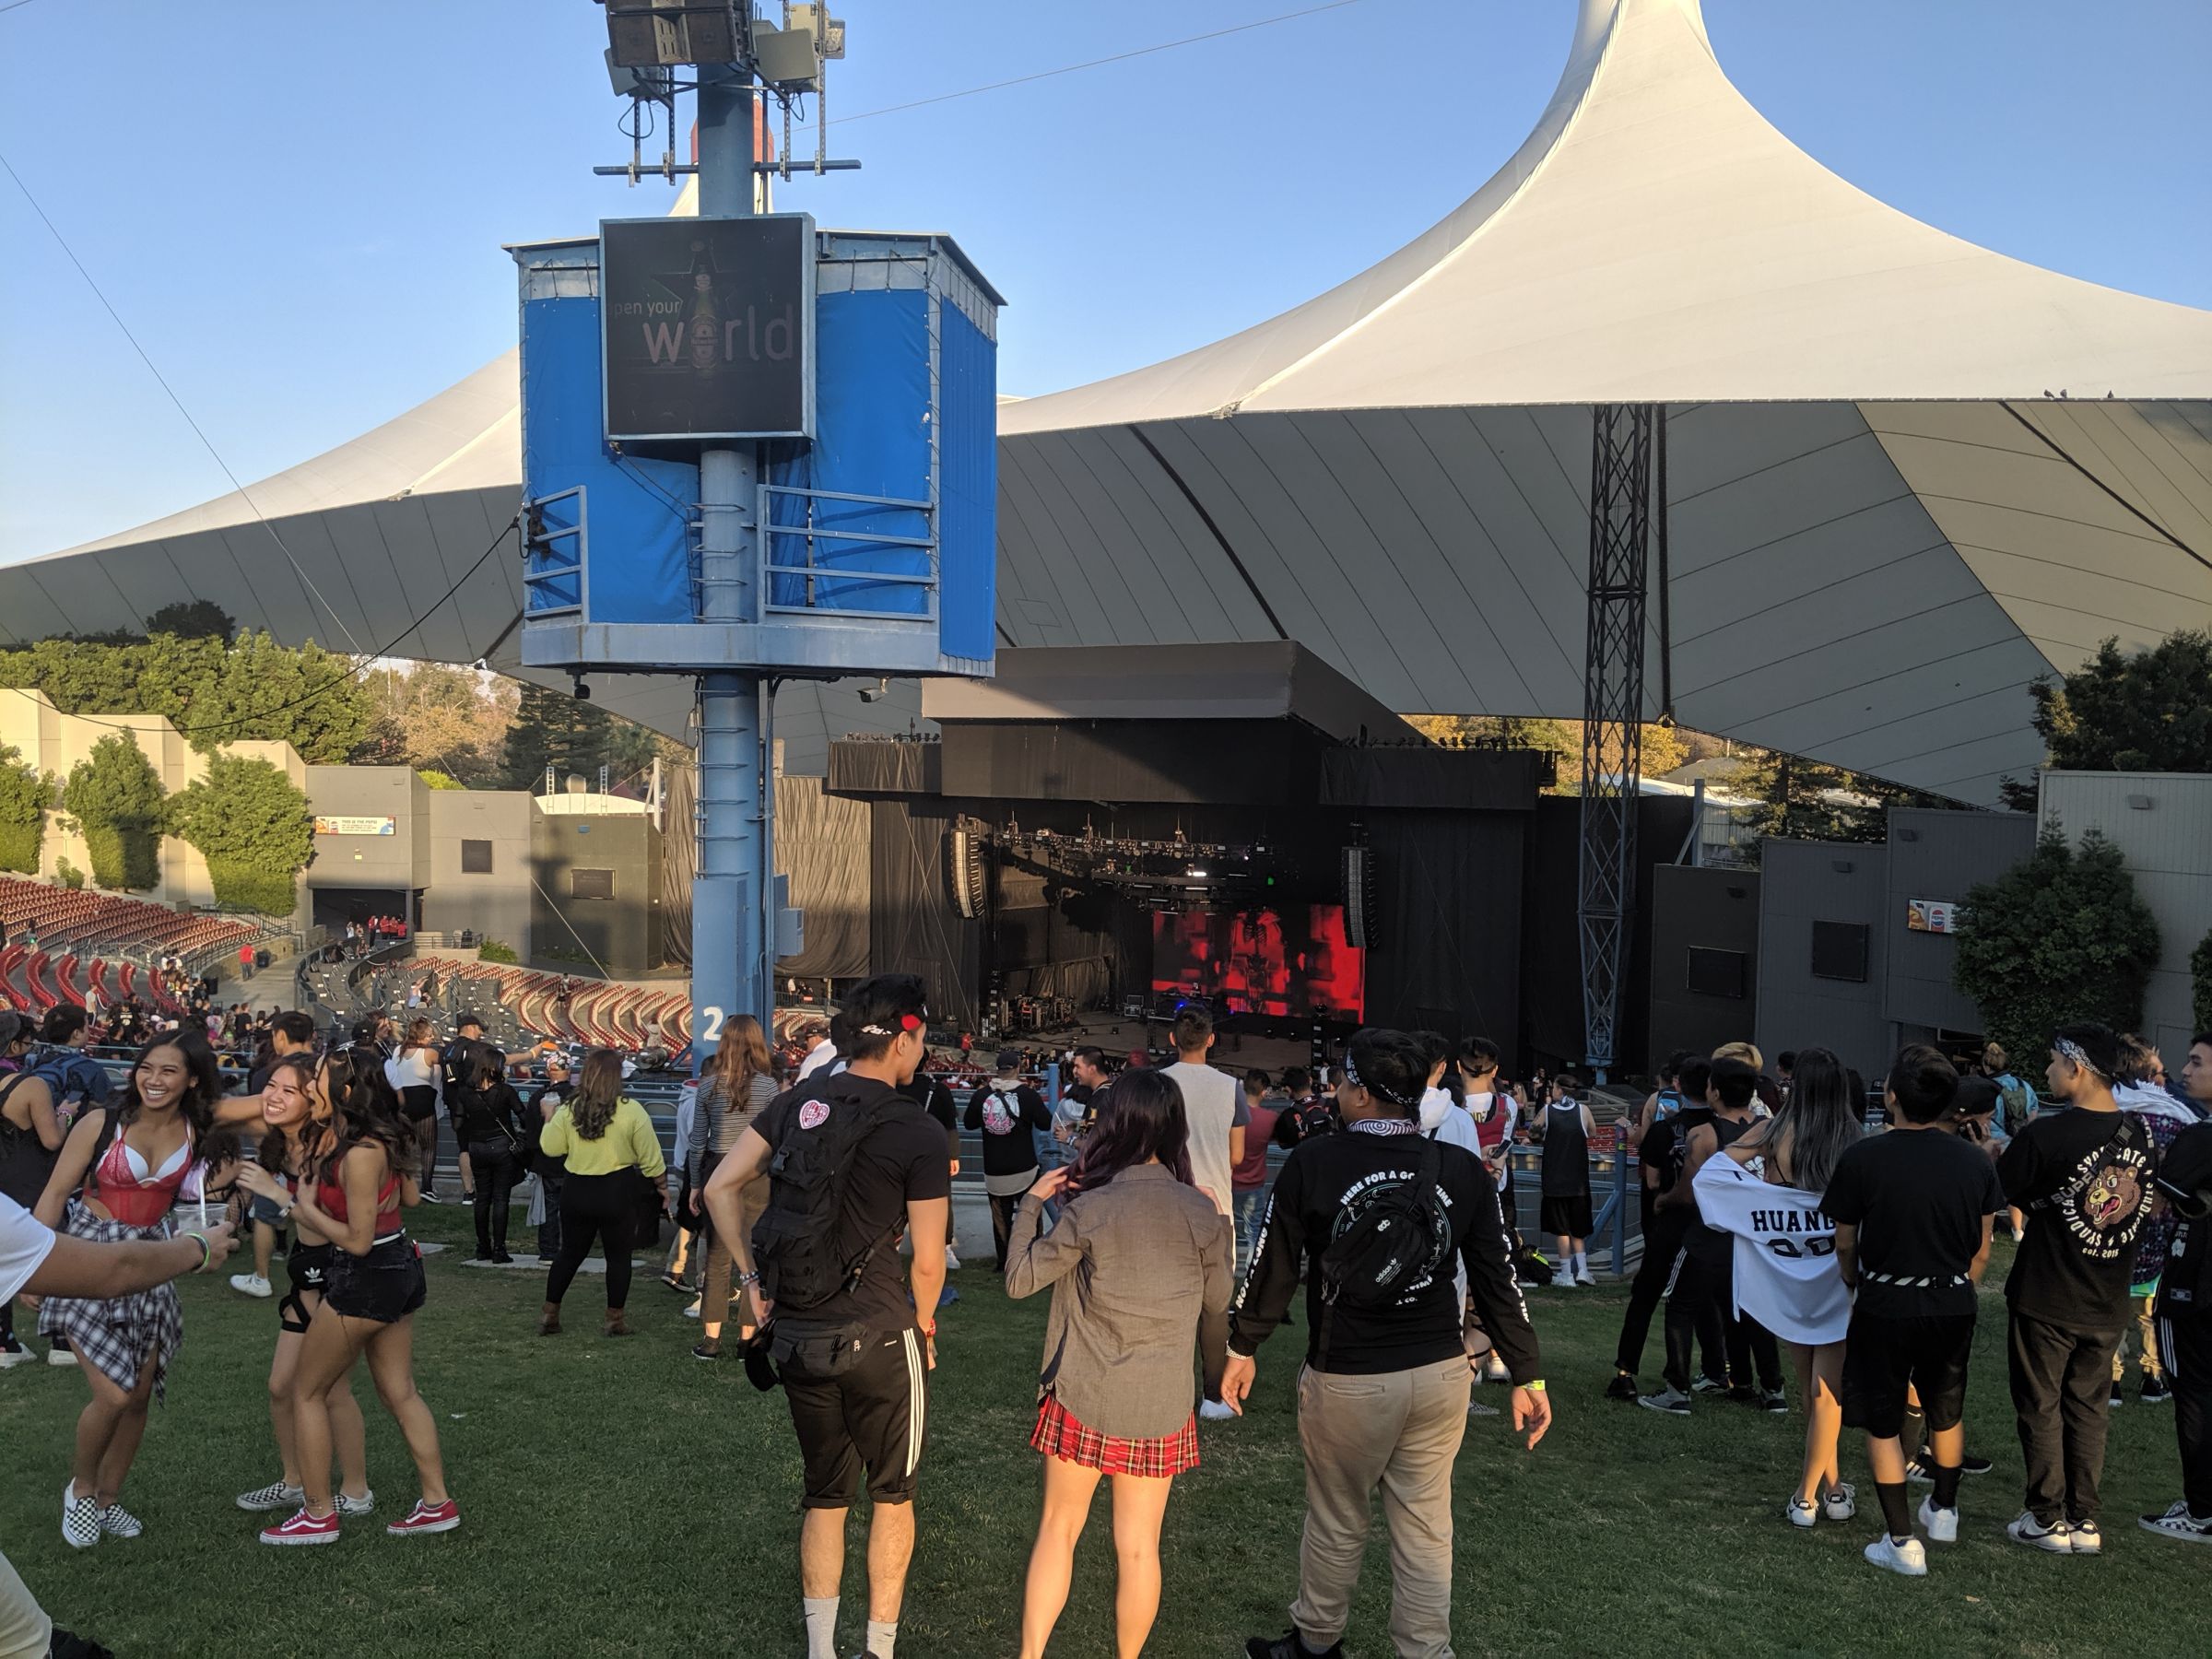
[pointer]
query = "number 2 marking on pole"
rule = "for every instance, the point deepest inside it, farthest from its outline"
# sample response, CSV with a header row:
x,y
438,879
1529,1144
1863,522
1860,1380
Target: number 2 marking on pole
x,y
710,1023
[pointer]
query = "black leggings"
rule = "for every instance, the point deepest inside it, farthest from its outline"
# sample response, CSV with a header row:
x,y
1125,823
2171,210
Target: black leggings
x,y
496,1171
602,1207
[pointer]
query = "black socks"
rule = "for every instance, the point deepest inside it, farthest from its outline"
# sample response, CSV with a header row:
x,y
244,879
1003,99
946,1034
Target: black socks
x,y
1894,1514
1947,1485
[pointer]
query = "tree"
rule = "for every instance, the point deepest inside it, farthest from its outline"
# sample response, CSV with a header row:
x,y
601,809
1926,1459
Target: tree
x,y
433,778
431,716
2144,711
2200,982
1664,746
2058,938
25,794
553,728
1810,800
252,826
114,799
194,620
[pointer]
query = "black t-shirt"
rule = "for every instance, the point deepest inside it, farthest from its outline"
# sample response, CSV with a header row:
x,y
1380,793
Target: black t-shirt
x,y
1917,1197
900,1160
1324,1181
1008,1148
1707,1243
2084,1179
936,1099
1668,1144
533,1124
2185,1173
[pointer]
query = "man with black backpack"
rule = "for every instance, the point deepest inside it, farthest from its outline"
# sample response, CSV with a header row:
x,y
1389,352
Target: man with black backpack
x,y
853,1162
1379,1212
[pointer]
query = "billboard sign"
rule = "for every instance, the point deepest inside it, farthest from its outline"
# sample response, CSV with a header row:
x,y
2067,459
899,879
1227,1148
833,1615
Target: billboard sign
x,y
1932,915
355,826
707,327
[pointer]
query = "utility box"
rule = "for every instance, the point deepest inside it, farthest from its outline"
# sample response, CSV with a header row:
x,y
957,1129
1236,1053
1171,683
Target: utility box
x,y
875,550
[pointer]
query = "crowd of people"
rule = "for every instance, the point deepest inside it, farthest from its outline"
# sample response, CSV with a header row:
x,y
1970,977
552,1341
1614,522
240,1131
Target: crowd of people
x,y
811,1196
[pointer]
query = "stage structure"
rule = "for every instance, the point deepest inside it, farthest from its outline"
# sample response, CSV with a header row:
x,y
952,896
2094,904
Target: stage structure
x,y
1906,476
751,451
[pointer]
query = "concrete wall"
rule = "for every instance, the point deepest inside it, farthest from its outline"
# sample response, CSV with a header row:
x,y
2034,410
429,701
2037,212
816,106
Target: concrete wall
x,y
54,742
1800,883
1700,908
495,905
2162,824
400,860
1940,854
621,934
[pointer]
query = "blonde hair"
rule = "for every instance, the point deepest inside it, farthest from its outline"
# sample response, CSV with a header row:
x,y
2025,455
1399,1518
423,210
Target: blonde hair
x,y
742,1056
420,1030
1745,1051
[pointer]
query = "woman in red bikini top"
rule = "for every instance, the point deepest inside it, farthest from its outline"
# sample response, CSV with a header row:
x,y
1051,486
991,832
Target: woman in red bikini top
x,y
133,1160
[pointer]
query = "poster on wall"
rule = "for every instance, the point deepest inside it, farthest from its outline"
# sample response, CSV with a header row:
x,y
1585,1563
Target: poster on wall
x,y
1281,961
355,826
1932,915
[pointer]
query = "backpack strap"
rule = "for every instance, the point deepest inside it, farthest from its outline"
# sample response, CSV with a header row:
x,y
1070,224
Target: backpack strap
x,y
1427,1165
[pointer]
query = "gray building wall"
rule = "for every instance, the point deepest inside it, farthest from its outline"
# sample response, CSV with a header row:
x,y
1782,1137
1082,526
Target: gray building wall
x,y
1939,854
2162,824
1800,883
496,905
622,934
399,860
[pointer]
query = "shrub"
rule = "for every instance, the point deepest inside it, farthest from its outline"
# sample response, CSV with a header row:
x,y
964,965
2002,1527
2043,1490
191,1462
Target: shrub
x,y
491,950
2200,976
68,875
252,824
114,797
25,794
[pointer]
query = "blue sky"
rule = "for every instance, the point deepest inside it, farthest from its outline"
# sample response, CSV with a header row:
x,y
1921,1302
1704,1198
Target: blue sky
x,y
302,221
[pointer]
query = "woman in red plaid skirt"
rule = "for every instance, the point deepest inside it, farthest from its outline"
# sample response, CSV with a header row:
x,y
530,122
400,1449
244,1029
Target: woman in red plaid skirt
x,y
1139,1265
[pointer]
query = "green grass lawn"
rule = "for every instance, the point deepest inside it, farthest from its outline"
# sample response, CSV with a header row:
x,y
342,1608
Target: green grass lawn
x,y
622,1499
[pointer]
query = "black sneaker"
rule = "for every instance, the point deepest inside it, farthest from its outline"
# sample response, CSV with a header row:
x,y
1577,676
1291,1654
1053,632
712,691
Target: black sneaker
x,y
1918,1472
2117,1400
1971,1465
2155,1391
704,1351
1288,1646
68,1646
1743,1394
2177,1522
502,1258
1622,1387
1774,1401
1709,1385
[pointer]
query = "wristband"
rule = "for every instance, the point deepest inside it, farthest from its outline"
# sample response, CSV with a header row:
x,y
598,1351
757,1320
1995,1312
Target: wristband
x,y
929,1330
1534,1387
206,1250
745,1282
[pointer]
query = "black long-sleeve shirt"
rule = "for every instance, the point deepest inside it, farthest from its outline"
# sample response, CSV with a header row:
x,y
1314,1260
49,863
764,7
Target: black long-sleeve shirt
x,y
1329,1174
489,1117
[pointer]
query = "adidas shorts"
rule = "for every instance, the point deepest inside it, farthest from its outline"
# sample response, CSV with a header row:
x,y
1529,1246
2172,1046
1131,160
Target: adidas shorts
x,y
871,1417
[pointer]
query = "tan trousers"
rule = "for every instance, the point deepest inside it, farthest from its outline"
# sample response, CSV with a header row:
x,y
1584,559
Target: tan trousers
x,y
714,1296
2146,1342
24,1631
1399,1433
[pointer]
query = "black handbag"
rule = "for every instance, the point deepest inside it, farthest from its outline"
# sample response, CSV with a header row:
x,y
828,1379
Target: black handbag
x,y
646,1226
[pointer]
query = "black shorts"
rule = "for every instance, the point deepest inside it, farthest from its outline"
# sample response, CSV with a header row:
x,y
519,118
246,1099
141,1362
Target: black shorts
x,y
386,1284
1566,1218
308,1267
872,1415
1883,1355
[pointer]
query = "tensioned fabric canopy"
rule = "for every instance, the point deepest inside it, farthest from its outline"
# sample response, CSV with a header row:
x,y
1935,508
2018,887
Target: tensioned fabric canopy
x,y
1907,476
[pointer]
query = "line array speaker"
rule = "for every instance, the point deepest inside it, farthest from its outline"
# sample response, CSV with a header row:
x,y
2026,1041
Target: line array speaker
x,y
964,871
1359,867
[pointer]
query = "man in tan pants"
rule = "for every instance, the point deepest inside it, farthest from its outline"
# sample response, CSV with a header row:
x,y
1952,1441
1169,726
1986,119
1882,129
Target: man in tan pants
x,y
1382,1399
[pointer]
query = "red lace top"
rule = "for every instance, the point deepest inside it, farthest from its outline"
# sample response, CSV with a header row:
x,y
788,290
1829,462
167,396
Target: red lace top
x,y
131,1192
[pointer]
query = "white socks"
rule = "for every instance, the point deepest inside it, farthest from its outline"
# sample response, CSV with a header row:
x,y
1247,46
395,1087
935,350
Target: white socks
x,y
881,1637
1581,1263
821,1625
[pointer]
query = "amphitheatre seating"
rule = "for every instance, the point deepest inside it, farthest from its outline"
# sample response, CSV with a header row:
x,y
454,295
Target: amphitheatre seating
x,y
521,1005
80,931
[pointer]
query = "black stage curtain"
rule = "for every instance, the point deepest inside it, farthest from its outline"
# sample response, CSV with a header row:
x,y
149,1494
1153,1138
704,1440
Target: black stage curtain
x,y
1448,910
913,927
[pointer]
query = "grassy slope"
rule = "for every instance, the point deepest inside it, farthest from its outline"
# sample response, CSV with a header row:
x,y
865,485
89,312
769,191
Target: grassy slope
x,y
622,1499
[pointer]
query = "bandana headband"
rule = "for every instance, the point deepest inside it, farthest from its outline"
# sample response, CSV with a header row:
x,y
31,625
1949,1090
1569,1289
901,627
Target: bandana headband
x,y
2073,1051
907,1022
1351,1075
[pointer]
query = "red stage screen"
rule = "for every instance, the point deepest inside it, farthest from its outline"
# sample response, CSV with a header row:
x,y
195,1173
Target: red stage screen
x,y
1293,960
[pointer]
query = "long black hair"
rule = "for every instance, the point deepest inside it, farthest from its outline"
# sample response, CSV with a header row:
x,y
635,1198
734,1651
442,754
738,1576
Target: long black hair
x,y
275,1153
203,1088
363,1109
1141,1117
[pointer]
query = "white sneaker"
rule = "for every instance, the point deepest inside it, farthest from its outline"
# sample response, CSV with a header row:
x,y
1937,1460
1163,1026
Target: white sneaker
x,y
2179,1524
1840,1504
1214,1411
1583,1276
692,1311
363,1505
12,1353
1476,1408
1942,1523
275,1495
80,1519
2088,1538
1494,1371
1563,1281
952,1260
1909,1559
2056,1539
58,1355
1800,1513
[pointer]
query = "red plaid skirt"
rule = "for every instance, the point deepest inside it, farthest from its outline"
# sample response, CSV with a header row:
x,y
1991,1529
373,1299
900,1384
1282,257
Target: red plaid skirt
x,y
1062,1435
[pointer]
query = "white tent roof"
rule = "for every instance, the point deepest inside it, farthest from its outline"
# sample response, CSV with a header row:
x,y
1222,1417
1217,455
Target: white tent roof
x,y
1882,526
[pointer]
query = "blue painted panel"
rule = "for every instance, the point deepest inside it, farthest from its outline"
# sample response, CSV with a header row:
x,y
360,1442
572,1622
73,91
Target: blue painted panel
x,y
871,437
639,549
967,487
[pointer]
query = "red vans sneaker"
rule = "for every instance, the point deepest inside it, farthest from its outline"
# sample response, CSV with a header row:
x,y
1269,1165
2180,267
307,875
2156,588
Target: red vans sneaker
x,y
426,1518
303,1528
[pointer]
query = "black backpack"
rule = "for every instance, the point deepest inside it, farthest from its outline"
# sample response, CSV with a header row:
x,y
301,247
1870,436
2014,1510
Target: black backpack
x,y
1314,1115
1379,1256
795,1241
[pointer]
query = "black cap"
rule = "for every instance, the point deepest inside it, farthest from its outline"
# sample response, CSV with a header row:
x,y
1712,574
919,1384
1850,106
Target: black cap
x,y
1009,1060
1977,1096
